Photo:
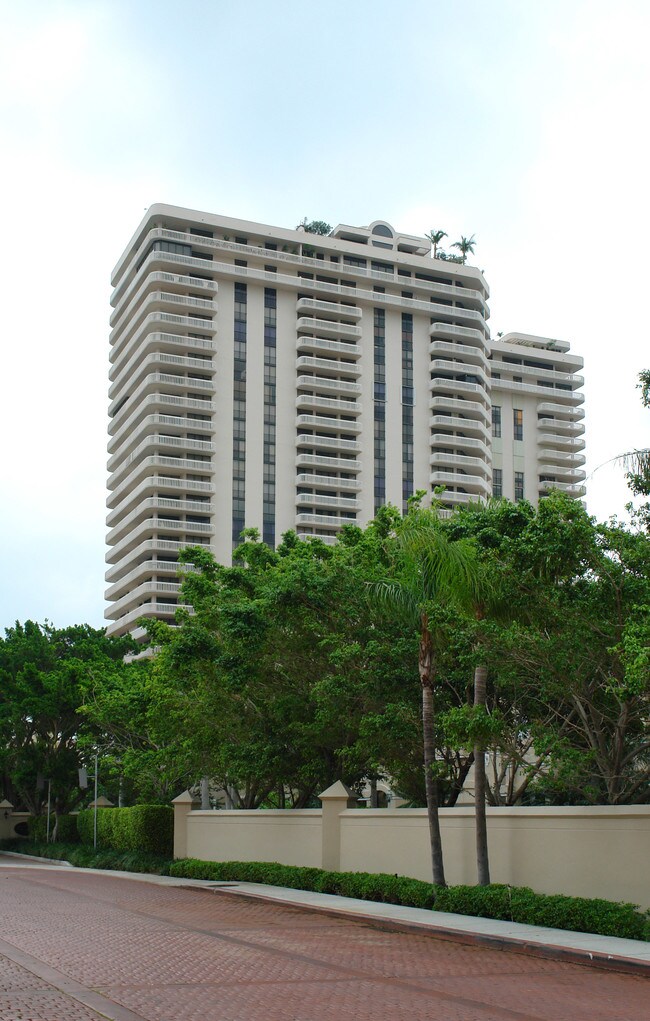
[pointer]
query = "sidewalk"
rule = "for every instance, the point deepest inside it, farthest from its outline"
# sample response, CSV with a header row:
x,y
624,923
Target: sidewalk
x,y
558,944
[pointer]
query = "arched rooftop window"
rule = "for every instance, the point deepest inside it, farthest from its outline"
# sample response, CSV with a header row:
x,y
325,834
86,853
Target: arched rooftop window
x,y
383,230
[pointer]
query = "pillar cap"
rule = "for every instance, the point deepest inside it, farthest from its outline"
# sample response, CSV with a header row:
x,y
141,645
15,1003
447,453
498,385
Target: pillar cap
x,y
186,798
102,802
338,792
6,804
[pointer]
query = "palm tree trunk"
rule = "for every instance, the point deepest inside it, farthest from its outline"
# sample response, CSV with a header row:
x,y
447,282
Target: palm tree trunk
x,y
482,859
426,680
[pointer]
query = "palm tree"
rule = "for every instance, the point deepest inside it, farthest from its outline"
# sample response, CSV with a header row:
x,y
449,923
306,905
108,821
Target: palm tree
x,y
465,246
430,569
435,237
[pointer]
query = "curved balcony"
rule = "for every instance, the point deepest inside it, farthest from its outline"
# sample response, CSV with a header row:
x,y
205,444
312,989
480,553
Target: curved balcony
x,y
328,482
142,282
170,444
331,463
330,307
462,332
470,426
148,548
458,404
571,397
123,345
477,484
333,502
529,370
162,504
454,386
323,521
462,442
158,344
328,385
328,540
124,624
149,425
458,499
142,402
327,404
471,355
335,425
311,343
142,575
570,488
553,457
328,328
133,494
151,527
561,441
163,323
328,365
327,443
147,300
560,410
461,369
164,361
478,464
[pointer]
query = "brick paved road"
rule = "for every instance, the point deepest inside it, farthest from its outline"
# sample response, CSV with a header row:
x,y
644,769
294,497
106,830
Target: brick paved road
x,y
76,947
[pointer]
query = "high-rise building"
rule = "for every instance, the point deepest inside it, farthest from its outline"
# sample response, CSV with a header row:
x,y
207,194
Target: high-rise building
x,y
272,378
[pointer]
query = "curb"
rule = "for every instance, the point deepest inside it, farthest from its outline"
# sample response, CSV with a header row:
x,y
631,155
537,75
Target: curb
x,y
35,857
549,951
511,944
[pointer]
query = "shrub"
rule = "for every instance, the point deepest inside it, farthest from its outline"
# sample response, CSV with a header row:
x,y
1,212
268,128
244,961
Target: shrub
x,y
142,828
66,828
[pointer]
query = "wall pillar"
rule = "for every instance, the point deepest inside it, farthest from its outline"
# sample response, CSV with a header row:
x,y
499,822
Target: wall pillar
x,y
182,808
6,823
334,800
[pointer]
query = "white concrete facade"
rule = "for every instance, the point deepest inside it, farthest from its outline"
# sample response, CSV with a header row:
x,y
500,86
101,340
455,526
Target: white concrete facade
x,y
271,378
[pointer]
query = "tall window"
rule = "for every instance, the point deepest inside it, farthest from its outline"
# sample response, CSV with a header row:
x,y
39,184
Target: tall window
x,y
497,482
239,415
380,406
407,408
268,482
518,423
496,420
519,486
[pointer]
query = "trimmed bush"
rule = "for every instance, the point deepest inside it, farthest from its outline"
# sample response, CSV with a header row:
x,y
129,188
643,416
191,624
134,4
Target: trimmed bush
x,y
556,911
142,828
67,832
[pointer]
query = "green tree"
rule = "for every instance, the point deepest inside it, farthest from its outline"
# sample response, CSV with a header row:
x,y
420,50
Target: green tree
x,y
42,673
315,227
435,237
429,570
465,246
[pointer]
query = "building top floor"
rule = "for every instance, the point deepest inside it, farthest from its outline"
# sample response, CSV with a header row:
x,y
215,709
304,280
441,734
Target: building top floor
x,y
378,249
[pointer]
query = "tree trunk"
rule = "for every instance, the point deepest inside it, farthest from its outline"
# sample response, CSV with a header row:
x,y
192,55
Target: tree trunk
x,y
482,859
430,782
205,793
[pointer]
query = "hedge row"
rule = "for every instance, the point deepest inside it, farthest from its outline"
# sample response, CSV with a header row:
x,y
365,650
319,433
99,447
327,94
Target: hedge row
x,y
517,904
66,828
142,828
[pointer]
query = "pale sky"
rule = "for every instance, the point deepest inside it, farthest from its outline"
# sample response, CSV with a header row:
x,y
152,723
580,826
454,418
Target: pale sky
x,y
524,122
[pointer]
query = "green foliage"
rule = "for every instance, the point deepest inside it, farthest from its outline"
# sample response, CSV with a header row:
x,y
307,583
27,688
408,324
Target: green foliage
x,y
147,829
66,829
43,673
316,226
520,904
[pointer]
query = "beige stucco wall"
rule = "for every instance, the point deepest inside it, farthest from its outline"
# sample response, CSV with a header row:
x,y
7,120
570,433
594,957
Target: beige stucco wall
x,y
290,837
591,852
